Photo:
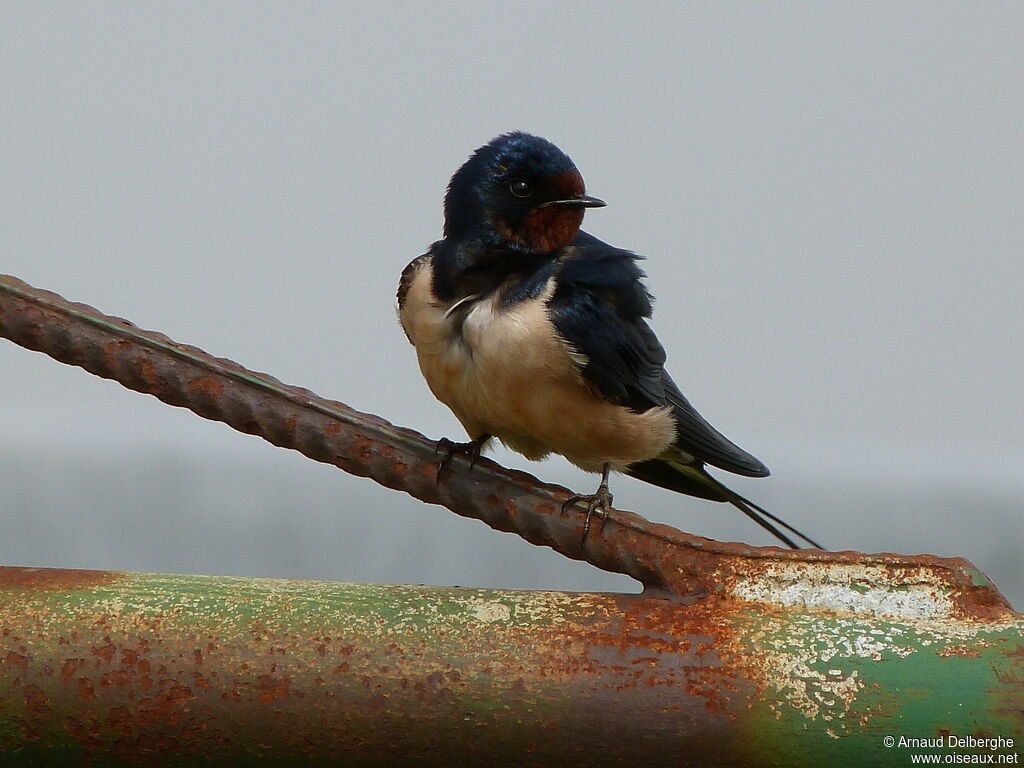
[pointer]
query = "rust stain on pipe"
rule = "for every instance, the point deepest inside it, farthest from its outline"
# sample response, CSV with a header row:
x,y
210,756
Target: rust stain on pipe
x,y
665,560
168,669
55,579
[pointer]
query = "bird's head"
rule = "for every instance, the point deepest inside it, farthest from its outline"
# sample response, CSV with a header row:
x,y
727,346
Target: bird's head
x,y
520,189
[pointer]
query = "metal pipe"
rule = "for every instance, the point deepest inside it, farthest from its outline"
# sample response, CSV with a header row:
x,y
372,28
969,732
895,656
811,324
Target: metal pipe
x,y
139,669
665,560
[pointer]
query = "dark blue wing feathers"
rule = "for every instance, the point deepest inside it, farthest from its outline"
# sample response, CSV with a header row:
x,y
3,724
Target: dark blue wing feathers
x,y
600,307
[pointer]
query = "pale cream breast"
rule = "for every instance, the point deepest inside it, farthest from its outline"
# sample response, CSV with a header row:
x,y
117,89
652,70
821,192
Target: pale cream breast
x,y
504,371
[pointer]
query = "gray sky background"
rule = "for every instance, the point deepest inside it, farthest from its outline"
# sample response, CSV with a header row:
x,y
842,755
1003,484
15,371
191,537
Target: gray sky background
x,y
829,196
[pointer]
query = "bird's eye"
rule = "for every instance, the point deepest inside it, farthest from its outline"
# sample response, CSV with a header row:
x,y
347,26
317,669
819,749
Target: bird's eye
x,y
520,188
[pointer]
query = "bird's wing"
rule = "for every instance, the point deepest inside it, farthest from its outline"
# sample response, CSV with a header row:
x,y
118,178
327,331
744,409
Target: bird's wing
x,y
694,435
405,282
600,307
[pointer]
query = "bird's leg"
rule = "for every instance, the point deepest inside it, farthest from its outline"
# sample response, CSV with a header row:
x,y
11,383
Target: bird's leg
x,y
471,450
597,504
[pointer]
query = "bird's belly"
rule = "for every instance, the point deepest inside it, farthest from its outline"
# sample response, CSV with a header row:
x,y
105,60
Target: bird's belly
x,y
504,371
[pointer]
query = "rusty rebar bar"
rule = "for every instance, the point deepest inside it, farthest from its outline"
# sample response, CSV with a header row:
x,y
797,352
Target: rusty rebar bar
x,y
662,558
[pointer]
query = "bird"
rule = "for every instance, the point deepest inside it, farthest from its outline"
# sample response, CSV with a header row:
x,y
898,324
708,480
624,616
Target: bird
x,y
536,333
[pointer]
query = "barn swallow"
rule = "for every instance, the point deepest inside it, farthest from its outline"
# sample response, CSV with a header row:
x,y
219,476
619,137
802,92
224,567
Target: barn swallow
x,y
535,333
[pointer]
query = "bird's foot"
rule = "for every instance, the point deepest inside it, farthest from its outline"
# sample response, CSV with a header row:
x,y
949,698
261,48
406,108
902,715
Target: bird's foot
x,y
470,450
599,504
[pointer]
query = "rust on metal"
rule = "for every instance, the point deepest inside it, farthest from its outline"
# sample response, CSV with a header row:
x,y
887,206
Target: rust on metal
x,y
665,560
47,579
156,669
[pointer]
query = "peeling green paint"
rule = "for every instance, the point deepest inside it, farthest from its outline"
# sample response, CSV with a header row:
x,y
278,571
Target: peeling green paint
x,y
842,685
194,670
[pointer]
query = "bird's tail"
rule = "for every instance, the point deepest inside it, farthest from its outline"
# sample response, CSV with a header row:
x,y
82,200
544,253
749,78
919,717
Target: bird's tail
x,y
694,480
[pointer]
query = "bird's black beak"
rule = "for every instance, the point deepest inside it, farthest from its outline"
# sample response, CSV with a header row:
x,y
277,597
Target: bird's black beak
x,y
579,201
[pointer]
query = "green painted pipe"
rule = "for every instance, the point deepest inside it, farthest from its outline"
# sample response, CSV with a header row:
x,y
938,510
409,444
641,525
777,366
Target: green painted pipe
x,y
109,669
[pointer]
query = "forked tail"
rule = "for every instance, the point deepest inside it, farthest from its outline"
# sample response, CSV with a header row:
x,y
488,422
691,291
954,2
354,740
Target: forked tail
x,y
695,481
761,516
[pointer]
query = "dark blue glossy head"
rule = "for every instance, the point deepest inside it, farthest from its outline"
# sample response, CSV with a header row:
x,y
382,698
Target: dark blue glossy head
x,y
519,190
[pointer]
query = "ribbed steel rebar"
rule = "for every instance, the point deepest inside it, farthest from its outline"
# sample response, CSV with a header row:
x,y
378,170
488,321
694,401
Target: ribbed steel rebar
x,y
661,557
